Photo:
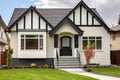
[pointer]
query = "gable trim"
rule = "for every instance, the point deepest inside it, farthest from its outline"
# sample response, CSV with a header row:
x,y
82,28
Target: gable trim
x,y
76,28
82,3
31,8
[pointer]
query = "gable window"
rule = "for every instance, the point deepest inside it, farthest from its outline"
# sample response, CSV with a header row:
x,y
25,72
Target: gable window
x,y
97,41
31,42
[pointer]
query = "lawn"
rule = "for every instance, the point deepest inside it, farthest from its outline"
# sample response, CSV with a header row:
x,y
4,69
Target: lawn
x,y
107,71
40,74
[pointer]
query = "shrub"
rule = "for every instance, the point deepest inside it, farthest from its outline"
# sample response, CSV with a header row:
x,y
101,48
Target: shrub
x,y
33,65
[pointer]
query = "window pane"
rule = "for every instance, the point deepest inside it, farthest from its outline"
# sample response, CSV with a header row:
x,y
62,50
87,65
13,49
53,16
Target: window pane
x,y
85,37
31,43
98,44
98,38
41,42
92,41
22,44
65,42
85,42
31,36
91,37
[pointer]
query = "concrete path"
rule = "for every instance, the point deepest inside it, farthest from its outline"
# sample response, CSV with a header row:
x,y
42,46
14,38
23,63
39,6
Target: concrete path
x,y
82,72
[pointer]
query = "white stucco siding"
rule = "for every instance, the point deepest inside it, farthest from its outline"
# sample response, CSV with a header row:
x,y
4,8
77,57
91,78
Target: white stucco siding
x,y
14,43
32,53
101,56
84,16
71,17
96,22
50,46
13,28
115,43
42,24
77,16
66,27
35,21
28,20
21,24
89,19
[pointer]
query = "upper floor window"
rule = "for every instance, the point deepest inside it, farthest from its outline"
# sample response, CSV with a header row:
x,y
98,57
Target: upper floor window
x,y
97,41
31,42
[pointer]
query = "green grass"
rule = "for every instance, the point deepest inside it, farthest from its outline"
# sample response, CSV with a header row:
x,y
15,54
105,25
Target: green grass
x,y
107,71
39,74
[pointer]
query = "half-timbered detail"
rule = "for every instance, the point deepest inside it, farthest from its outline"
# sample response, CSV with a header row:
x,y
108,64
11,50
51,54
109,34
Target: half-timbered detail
x,y
4,40
51,35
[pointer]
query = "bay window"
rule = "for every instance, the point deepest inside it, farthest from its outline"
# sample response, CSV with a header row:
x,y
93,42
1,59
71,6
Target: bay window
x,y
31,42
97,41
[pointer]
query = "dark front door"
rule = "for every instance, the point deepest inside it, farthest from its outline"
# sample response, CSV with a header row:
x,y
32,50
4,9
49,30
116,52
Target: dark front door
x,y
66,46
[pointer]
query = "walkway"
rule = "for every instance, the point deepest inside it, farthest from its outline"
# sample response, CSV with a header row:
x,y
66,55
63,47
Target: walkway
x,y
82,72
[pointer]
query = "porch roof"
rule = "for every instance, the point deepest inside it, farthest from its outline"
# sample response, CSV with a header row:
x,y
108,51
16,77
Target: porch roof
x,y
75,27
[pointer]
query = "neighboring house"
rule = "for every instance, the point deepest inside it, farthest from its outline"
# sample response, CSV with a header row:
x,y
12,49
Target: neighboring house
x,y
3,41
115,36
38,34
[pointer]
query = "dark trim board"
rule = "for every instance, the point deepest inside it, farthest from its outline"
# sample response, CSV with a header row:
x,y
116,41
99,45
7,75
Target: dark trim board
x,y
31,8
31,19
78,30
31,30
27,62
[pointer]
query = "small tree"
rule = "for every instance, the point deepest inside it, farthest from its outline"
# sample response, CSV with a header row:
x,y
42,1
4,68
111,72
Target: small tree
x,y
9,56
89,53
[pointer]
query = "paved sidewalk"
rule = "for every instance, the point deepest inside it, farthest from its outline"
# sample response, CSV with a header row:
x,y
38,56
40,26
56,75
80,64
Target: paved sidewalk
x,y
82,72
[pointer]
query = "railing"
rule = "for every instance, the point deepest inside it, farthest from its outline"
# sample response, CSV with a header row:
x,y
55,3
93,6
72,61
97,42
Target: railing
x,y
57,56
78,56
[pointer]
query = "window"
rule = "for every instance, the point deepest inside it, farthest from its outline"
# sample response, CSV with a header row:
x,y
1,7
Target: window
x,y
31,42
97,41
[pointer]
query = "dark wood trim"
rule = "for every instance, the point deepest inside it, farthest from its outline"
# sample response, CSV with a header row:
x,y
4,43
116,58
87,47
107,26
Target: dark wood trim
x,y
74,16
24,21
92,20
46,27
31,19
80,14
39,22
16,27
55,41
87,18
31,30
89,25
21,16
77,29
76,41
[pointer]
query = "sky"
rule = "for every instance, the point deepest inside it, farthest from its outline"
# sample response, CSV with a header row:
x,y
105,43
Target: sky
x,y
108,9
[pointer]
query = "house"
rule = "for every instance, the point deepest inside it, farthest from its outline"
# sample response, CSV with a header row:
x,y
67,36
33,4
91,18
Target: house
x,y
40,35
114,45
4,38
115,37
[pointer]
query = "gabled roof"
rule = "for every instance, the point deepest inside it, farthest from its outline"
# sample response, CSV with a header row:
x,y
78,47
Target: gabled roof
x,y
76,28
13,21
3,25
93,12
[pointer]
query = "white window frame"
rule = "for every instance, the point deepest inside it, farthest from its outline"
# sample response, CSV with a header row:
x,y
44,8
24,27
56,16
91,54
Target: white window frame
x,y
26,38
95,42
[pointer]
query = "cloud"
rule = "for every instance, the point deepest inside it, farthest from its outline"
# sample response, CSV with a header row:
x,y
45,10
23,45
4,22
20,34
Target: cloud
x,y
109,10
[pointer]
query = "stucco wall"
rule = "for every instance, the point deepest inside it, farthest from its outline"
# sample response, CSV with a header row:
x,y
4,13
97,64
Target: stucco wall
x,y
115,43
101,56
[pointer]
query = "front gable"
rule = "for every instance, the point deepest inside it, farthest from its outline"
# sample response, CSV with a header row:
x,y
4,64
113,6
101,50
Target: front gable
x,y
30,20
82,15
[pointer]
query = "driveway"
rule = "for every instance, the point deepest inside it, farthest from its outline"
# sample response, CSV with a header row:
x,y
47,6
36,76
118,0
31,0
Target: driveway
x,y
82,72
